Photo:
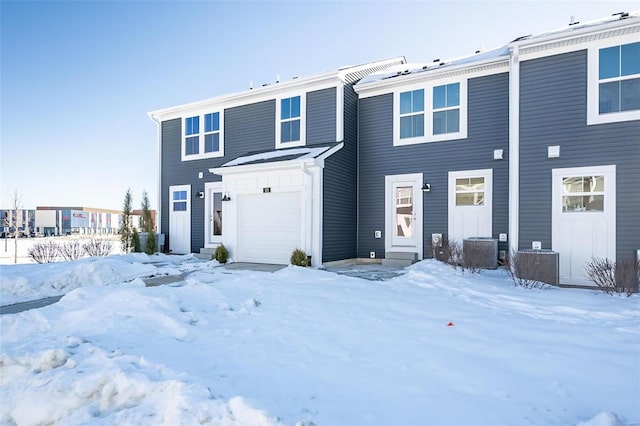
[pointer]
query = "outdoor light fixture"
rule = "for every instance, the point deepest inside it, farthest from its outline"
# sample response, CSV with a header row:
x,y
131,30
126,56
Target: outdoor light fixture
x,y
426,187
226,197
200,194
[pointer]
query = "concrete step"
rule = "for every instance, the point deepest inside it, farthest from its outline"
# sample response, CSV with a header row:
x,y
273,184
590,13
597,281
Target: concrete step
x,y
396,262
207,250
401,255
203,256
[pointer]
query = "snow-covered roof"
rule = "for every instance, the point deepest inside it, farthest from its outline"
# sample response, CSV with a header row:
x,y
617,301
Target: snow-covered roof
x,y
489,55
302,153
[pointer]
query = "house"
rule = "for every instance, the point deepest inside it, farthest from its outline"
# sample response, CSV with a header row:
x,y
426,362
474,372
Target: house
x,y
266,170
535,144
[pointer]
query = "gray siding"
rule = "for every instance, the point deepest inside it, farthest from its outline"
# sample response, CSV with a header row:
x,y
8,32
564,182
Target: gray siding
x,y
321,116
553,99
247,128
488,129
339,220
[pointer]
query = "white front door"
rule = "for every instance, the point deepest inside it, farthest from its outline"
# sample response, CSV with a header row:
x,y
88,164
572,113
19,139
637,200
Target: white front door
x,y
584,218
470,204
213,214
180,219
403,213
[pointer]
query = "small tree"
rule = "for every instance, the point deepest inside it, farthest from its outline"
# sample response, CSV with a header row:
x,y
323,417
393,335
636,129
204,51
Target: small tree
x,y
221,254
135,241
125,231
16,207
299,258
147,218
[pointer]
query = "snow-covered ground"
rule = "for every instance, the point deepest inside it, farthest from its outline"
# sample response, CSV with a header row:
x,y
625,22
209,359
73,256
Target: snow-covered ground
x,y
8,246
309,347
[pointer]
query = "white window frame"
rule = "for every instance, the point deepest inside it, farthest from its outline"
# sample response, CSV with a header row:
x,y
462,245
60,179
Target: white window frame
x,y
593,83
428,112
201,154
303,121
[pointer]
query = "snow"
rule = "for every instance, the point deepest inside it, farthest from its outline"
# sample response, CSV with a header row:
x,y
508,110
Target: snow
x,y
304,153
310,347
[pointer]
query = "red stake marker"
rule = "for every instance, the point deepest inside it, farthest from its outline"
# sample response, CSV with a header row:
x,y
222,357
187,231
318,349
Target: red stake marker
x,y
450,324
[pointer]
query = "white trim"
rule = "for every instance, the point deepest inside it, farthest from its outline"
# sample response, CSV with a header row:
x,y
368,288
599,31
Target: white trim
x,y
514,149
610,204
428,113
339,112
208,187
201,132
447,73
593,81
303,121
487,174
416,179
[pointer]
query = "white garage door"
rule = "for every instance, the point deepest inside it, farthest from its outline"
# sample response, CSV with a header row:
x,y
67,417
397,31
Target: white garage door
x,y
269,226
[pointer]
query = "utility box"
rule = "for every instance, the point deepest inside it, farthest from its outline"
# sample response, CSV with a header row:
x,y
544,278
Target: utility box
x,y
479,252
538,265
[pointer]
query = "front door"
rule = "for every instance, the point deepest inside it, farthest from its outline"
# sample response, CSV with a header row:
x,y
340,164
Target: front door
x,y
403,216
470,204
584,206
213,214
180,219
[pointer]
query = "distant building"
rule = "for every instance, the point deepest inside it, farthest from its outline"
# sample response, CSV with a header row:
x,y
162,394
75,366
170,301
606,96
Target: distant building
x,y
82,220
25,220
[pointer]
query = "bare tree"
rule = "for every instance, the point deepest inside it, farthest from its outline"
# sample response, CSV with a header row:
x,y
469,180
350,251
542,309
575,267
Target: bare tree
x,y
17,204
71,250
44,251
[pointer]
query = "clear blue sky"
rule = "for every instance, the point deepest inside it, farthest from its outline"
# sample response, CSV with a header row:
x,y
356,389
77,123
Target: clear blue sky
x,y
78,78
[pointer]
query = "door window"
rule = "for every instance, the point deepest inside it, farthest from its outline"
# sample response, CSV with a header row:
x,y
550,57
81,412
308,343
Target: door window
x,y
583,194
180,201
216,209
404,211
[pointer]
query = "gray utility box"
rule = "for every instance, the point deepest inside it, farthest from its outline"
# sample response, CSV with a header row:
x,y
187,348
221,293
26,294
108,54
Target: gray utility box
x,y
538,265
479,252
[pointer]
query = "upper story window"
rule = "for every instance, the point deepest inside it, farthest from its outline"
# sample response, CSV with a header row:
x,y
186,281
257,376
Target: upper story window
x,y
619,78
202,136
446,109
613,92
290,121
412,114
430,113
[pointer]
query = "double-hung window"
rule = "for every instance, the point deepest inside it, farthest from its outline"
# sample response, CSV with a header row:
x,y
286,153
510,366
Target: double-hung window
x,y
614,83
446,109
412,114
202,136
430,113
290,121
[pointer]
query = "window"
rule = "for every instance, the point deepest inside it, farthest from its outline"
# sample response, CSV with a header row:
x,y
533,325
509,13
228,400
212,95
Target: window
x,y
212,132
290,121
202,136
446,109
430,113
583,194
614,83
619,76
192,135
179,201
470,191
412,114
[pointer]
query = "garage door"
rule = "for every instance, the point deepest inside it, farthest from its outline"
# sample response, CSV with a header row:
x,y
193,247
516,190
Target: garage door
x,y
269,227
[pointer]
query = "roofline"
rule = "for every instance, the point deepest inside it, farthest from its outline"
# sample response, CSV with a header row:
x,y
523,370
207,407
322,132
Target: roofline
x,y
559,35
330,78
275,165
428,74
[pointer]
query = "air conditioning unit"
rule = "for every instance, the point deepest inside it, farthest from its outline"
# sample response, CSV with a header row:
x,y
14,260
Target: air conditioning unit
x,y
480,252
539,265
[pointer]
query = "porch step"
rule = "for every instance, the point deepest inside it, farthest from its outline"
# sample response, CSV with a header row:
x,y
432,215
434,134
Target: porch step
x,y
205,253
399,258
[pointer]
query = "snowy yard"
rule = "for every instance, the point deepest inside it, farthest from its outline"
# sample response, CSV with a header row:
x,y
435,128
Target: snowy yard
x,y
309,347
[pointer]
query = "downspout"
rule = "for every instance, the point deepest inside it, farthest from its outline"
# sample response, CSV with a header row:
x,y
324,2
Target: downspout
x,y
514,148
309,202
159,206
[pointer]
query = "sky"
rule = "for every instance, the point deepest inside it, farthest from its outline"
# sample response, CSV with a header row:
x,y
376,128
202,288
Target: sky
x,y
77,79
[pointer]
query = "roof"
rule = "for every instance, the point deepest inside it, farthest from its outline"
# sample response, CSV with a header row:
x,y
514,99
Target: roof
x,y
288,154
345,74
498,53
